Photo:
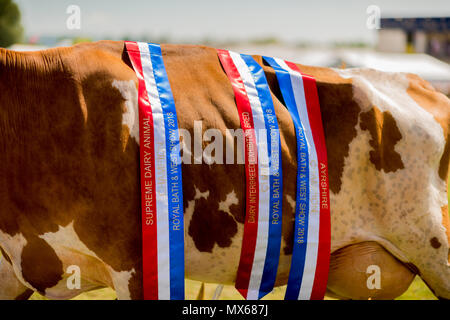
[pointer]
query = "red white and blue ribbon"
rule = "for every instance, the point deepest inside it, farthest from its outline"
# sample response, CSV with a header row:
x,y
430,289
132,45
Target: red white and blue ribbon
x,y
262,229
161,184
308,275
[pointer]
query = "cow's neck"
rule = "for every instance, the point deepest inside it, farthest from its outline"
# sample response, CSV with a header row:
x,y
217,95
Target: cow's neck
x,y
20,71
36,91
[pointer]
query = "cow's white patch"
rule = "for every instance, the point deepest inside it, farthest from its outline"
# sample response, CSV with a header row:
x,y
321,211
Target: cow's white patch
x,y
130,117
230,200
121,281
199,194
13,246
10,286
189,211
401,210
66,238
67,246
61,291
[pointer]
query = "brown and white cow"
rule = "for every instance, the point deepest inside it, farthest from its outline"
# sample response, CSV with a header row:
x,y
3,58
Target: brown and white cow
x,y
69,168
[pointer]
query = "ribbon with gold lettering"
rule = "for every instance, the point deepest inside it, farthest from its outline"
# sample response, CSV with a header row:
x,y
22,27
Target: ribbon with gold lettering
x,y
262,229
310,258
161,184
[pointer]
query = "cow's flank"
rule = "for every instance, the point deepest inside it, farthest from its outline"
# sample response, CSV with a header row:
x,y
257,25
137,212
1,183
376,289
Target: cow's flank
x,y
69,179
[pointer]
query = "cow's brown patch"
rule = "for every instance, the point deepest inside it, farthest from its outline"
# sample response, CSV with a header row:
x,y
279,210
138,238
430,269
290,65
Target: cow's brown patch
x,y
445,160
24,295
435,243
135,285
339,116
336,102
209,226
41,266
439,106
384,136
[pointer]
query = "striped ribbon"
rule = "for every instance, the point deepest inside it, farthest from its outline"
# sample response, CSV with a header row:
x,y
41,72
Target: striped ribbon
x,y
262,229
308,275
161,184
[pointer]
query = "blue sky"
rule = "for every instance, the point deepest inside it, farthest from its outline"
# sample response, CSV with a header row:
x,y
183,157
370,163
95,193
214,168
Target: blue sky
x,y
196,20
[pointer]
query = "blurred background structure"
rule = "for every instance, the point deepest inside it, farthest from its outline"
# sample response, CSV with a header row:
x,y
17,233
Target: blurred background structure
x,y
410,36
416,35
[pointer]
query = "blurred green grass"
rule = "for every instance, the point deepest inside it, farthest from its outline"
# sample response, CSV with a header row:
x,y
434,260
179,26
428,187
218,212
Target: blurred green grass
x,y
418,290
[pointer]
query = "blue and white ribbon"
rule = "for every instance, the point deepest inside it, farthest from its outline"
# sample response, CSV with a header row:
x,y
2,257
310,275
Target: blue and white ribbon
x,y
306,230
167,176
262,236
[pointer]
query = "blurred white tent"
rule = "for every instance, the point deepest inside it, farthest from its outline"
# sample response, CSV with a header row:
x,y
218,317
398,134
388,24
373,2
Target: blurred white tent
x,y
429,68
26,47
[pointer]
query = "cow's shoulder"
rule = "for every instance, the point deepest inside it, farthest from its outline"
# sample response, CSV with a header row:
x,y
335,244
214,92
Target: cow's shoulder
x,y
100,59
438,105
430,99
404,115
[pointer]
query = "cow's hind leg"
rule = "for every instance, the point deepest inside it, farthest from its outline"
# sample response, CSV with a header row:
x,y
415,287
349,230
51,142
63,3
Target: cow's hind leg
x,y
10,286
